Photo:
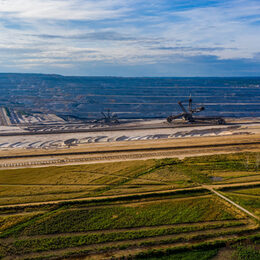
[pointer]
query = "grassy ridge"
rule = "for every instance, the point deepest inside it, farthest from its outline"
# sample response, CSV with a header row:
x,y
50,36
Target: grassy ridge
x,y
7,222
119,175
141,214
250,203
255,191
139,211
75,174
191,255
132,244
53,243
106,201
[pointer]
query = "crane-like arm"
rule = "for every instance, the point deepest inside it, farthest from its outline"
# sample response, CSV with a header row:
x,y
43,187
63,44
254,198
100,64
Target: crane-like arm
x,y
171,118
198,109
190,104
182,107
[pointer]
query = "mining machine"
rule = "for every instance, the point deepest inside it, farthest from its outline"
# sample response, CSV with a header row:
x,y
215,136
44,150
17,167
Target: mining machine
x,y
187,115
108,118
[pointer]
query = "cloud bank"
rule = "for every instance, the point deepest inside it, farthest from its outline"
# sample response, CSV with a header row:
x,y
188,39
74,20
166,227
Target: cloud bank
x,y
134,37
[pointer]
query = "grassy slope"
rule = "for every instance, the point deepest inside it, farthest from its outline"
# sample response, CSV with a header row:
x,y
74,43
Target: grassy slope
x,y
128,215
23,246
191,255
144,214
122,177
248,202
7,222
253,191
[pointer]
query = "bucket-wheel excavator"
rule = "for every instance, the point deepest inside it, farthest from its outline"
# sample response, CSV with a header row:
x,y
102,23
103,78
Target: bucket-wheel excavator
x,y
187,115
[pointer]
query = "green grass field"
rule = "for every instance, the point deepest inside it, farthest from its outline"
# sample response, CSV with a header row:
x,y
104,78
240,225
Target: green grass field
x,y
250,191
13,220
190,255
132,223
130,215
178,224
248,198
79,181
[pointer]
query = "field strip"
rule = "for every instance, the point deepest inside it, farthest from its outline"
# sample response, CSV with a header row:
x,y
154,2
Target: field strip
x,y
21,213
114,158
250,184
51,185
133,178
100,198
214,224
93,184
148,200
234,204
163,241
133,203
117,155
240,180
208,187
245,194
132,251
145,201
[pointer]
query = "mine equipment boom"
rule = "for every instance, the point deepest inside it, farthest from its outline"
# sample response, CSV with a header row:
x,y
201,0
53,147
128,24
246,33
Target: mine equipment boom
x,y
108,118
187,114
182,107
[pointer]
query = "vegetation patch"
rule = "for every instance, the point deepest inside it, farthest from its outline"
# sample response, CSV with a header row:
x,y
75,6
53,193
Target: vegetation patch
x,y
53,243
134,220
124,216
10,221
190,255
247,191
247,188
246,252
248,202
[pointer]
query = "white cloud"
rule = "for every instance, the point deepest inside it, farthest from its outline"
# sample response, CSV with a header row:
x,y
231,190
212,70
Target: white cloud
x,y
62,9
225,25
65,32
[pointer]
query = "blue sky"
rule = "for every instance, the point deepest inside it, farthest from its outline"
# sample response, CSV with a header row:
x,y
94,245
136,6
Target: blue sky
x,y
131,38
